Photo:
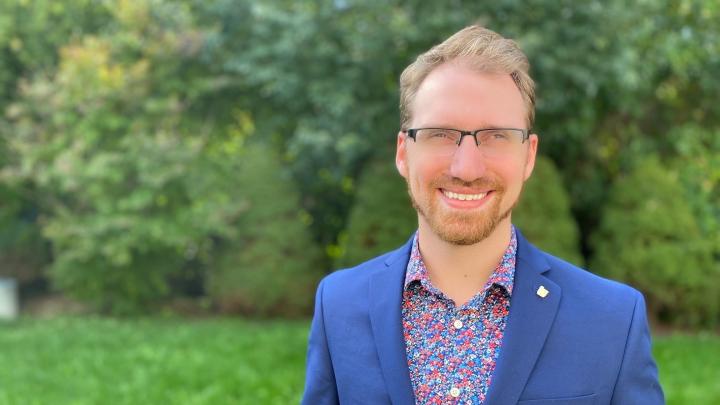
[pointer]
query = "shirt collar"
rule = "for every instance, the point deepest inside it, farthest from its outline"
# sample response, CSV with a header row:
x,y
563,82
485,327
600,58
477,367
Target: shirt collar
x,y
503,275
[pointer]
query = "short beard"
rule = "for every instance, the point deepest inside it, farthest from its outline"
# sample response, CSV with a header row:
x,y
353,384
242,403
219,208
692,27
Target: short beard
x,y
461,229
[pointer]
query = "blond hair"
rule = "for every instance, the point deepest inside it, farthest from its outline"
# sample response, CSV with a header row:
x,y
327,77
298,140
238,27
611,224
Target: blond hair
x,y
485,50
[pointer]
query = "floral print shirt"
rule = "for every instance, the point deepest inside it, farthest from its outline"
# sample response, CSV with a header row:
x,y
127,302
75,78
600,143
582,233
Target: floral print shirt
x,y
451,351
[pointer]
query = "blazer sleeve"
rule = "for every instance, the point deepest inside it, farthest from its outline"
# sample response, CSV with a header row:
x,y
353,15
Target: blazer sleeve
x,y
320,387
637,381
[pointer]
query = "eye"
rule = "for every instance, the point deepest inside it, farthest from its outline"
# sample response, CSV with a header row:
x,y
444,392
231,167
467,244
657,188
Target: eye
x,y
496,136
439,133
499,135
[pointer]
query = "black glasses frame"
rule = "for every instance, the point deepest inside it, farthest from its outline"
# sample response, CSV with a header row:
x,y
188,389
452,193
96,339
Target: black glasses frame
x,y
412,133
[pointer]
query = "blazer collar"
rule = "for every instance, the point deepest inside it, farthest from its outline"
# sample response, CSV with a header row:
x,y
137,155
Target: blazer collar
x,y
386,289
528,324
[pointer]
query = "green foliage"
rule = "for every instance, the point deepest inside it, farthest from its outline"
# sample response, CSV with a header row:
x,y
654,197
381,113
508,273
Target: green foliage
x,y
543,214
335,89
272,267
696,158
130,190
653,78
23,252
649,238
31,32
382,217
122,120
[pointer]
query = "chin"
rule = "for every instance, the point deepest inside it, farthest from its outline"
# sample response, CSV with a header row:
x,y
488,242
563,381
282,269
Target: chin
x,y
464,233
465,229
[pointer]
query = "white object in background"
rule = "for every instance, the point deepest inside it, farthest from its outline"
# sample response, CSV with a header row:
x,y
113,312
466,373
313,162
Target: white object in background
x,y
8,298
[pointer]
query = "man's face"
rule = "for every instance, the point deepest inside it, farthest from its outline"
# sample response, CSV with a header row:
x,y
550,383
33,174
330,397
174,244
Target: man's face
x,y
463,197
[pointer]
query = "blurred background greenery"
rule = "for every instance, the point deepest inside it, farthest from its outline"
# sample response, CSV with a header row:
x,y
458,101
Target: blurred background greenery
x,y
239,150
220,156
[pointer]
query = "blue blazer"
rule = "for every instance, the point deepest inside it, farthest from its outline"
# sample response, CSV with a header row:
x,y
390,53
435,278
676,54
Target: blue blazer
x,y
586,342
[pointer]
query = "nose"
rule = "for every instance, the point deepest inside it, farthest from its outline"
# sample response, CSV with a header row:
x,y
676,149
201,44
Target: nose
x,y
468,162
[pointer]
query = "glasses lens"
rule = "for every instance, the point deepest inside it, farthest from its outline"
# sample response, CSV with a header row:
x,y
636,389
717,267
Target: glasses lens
x,y
496,142
438,140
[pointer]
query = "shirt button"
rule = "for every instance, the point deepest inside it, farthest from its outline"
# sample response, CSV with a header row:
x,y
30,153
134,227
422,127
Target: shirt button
x,y
458,324
455,392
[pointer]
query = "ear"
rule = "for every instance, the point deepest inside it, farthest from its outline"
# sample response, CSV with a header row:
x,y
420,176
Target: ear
x,y
532,154
401,154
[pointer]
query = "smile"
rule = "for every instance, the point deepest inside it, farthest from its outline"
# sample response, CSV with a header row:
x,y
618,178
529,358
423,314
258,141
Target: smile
x,y
463,197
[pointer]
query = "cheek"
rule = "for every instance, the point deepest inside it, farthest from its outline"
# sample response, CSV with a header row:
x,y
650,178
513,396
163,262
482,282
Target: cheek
x,y
512,174
427,172
418,168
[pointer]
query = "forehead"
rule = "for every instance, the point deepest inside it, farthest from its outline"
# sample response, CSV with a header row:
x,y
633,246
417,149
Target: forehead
x,y
454,94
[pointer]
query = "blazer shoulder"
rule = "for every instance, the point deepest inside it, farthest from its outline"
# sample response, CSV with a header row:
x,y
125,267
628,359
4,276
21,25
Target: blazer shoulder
x,y
364,271
573,278
352,283
357,273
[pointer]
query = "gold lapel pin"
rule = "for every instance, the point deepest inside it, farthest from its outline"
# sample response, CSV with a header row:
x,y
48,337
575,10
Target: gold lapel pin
x,y
542,292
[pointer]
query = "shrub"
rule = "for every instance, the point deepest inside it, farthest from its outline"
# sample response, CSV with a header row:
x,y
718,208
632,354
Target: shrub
x,y
698,165
129,185
23,252
649,238
272,265
543,213
382,217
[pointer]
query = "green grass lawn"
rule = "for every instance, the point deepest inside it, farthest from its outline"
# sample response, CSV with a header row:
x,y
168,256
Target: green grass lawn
x,y
689,368
153,361
220,361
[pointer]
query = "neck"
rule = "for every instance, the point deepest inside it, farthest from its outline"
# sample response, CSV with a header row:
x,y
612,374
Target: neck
x,y
461,271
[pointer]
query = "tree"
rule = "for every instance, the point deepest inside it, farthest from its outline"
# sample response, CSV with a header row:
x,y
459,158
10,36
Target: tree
x,y
544,216
132,182
32,32
30,35
696,159
649,238
273,265
382,217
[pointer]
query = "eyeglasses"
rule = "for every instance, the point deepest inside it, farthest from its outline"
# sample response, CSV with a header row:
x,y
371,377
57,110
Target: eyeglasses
x,y
491,141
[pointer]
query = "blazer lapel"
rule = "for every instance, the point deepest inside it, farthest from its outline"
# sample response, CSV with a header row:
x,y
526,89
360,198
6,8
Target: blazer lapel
x,y
386,288
528,324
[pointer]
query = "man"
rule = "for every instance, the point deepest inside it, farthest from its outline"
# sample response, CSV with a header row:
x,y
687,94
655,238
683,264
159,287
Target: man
x,y
468,311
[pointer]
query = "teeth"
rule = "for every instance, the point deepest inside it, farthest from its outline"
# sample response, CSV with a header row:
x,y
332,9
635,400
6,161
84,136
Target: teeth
x,y
463,197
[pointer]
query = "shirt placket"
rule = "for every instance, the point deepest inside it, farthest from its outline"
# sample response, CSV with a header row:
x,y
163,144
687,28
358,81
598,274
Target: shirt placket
x,y
459,388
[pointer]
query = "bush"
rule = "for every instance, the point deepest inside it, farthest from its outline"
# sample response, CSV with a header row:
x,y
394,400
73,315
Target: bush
x,y
649,238
23,251
272,265
382,217
131,185
698,164
543,213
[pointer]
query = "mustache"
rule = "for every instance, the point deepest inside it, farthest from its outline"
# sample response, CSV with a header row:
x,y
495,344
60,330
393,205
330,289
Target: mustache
x,y
446,181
